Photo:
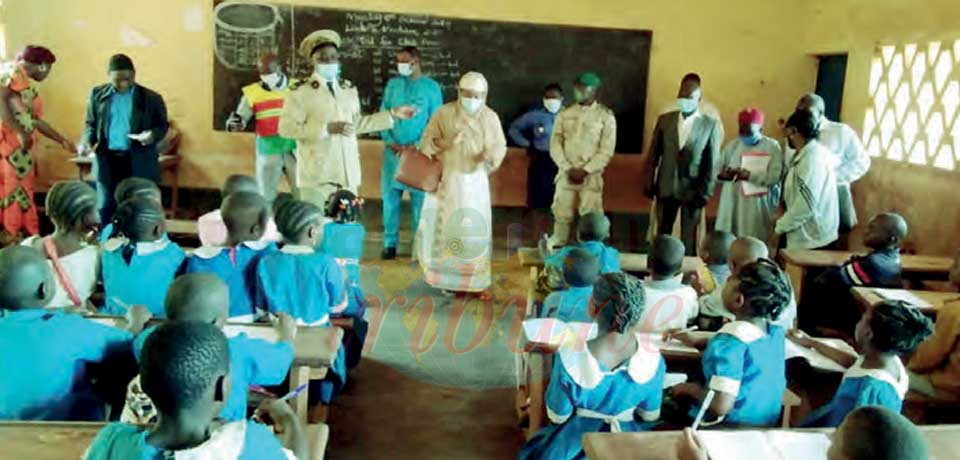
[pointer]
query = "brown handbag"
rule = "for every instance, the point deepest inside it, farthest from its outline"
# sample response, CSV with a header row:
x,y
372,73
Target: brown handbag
x,y
418,170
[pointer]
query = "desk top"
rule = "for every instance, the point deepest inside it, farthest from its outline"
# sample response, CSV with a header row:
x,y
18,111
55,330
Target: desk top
x,y
910,263
926,301
629,261
182,227
164,160
943,441
314,347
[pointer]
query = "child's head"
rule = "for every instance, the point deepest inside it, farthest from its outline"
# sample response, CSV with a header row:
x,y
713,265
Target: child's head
x,y
198,297
758,290
745,250
137,187
280,200
300,222
72,206
955,271
666,257
245,216
593,226
877,433
580,268
185,369
618,299
140,219
892,326
887,230
238,183
343,206
26,280
716,246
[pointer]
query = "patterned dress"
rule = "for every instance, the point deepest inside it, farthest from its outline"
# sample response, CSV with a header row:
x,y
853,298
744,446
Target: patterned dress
x,y
17,167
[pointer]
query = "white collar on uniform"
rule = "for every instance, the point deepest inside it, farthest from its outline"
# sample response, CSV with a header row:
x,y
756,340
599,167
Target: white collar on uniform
x,y
225,442
209,252
296,249
744,331
901,385
143,247
584,369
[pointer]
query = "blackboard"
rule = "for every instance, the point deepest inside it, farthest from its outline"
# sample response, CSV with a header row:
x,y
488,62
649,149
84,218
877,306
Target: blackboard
x,y
518,59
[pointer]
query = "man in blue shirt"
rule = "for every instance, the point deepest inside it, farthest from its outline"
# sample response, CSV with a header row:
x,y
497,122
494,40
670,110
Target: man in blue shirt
x,y
532,131
410,87
125,122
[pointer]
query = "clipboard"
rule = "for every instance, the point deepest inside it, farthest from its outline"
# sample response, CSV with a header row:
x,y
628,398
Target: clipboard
x,y
755,162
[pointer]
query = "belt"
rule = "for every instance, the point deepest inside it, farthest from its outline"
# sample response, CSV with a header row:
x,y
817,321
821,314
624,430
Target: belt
x,y
612,420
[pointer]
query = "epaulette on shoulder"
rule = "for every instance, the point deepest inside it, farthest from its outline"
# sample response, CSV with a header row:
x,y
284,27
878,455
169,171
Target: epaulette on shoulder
x,y
344,83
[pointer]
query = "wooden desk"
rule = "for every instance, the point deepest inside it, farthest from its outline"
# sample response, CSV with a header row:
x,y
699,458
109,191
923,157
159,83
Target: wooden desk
x,y
942,440
796,263
168,163
629,262
60,440
182,227
868,297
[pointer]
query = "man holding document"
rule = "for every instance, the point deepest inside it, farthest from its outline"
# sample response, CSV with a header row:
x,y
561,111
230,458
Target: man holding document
x,y
751,168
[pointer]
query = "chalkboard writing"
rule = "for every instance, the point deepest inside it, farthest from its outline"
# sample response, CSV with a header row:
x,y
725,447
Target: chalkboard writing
x,y
518,59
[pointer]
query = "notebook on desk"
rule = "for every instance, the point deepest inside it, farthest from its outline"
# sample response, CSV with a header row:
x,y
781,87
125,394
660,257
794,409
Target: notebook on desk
x,y
817,360
902,295
772,445
556,333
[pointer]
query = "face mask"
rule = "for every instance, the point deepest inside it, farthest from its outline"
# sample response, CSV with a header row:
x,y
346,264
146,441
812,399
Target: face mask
x,y
553,105
405,69
471,105
272,79
686,105
329,72
752,139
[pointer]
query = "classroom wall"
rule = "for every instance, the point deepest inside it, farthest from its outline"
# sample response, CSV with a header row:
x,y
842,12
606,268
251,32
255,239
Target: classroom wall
x,y
746,51
923,194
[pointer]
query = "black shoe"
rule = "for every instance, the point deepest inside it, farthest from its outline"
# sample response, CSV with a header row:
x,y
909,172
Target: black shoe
x,y
388,254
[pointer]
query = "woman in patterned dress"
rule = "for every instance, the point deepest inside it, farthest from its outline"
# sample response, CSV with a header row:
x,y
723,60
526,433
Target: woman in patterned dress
x,y
20,121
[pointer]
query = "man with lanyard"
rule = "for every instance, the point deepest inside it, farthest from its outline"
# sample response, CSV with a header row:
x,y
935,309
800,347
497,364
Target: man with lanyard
x,y
583,140
851,161
532,131
263,101
410,87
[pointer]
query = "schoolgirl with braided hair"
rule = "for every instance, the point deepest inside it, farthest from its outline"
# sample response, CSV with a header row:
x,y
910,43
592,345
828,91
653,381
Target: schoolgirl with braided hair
x,y
139,262
613,383
131,187
875,377
305,283
72,207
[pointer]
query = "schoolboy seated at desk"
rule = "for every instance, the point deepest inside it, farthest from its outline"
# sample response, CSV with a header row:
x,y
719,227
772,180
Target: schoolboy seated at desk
x,y
580,271
44,372
186,371
670,303
592,230
714,251
211,228
935,367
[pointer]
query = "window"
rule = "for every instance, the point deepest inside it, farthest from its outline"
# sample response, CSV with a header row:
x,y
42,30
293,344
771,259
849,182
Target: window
x,y
914,117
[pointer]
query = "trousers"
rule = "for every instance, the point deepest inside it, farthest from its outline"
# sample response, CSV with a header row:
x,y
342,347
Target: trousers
x,y
270,168
667,210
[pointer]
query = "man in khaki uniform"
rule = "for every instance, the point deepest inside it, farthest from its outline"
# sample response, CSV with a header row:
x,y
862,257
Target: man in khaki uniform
x,y
583,140
322,113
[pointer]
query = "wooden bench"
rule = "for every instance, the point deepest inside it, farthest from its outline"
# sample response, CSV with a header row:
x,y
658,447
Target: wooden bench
x,y
928,302
315,348
796,263
69,440
629,262
942,440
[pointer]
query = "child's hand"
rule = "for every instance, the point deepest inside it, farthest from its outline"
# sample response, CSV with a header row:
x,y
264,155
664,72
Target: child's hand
x,y
800,338
680,335
689,448
697,284
275,412
286,327
137,317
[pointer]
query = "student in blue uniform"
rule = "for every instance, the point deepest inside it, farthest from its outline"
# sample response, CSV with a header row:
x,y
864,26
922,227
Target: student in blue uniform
x,y
203,298
131,187
186,371
44,372
343,239
592,230
580,271
139,263
877,377
612,384
245,215
307,284
743,364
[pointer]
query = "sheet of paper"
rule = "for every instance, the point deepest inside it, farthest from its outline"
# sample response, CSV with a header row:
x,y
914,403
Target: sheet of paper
x,y
654,340
817,360
737,445
756,163
557,333
794,445
672,379
902,295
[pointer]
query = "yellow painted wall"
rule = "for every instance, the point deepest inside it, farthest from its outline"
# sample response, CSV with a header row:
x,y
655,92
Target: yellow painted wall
x,y
746,51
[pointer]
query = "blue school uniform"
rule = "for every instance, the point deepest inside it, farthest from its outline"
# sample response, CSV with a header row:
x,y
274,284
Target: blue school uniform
x,y
43,371
584,397
252,362
236,266
307,285
344,241
608,257
746,361
571,304
138,274
243,440
862,387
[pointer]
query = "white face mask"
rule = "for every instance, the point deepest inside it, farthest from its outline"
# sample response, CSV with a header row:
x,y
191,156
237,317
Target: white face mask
x,y
405,69
328,72
553,105
272,80
470,104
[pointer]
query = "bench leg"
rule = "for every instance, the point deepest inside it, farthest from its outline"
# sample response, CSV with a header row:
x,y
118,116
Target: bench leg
x,y
300,375
537,388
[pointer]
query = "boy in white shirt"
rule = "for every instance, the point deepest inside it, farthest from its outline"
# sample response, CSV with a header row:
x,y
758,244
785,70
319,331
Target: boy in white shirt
x,y
670,303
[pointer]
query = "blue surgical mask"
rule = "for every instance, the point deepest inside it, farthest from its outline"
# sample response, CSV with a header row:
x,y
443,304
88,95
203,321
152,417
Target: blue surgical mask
x,y
329,72
750,140
471,104
687,105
